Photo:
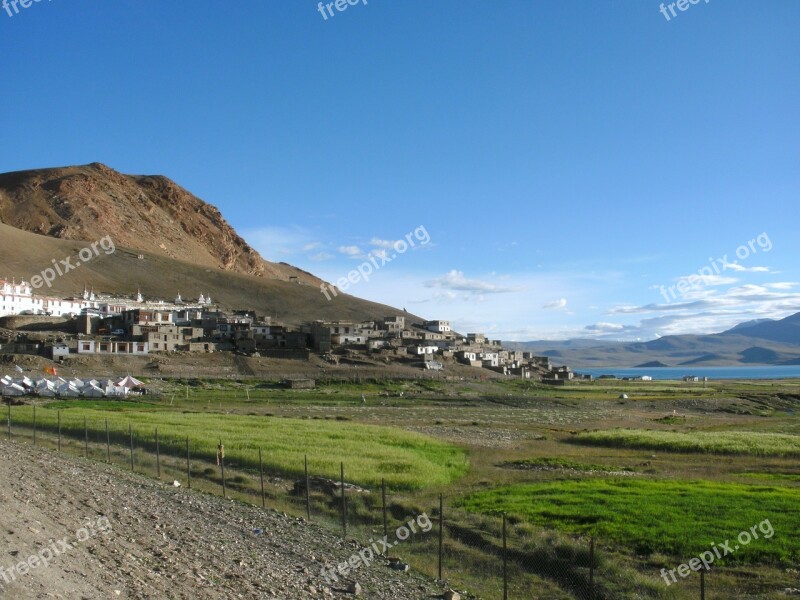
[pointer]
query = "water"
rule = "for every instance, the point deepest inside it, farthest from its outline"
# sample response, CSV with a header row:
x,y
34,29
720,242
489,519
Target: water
x,y
710,372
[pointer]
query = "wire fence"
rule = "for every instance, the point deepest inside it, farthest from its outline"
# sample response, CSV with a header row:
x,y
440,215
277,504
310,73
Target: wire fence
x,y
493,556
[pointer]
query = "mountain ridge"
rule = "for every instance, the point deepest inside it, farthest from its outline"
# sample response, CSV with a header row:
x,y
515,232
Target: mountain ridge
x,y
183,245
759,342
151,213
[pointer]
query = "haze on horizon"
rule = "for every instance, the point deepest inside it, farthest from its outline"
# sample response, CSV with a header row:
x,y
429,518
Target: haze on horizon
x,y
583,169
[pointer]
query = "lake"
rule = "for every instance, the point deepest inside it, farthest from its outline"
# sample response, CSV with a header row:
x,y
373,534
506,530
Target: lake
x,y
765,372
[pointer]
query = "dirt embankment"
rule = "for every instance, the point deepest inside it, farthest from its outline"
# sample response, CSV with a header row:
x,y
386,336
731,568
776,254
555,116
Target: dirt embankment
x,y
113,534
227,365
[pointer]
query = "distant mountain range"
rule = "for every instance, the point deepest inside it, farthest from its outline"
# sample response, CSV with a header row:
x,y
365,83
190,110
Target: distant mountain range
x,y
759,342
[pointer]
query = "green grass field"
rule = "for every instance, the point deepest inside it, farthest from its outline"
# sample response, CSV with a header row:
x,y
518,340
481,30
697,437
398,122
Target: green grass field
x,y
713,442
676,518
406,460
657,478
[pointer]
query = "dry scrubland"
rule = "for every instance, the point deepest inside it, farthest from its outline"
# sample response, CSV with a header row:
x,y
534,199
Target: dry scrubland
x,y
656,478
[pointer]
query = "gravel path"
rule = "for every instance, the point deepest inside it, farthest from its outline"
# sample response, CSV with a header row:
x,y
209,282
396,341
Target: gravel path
x,y
99,532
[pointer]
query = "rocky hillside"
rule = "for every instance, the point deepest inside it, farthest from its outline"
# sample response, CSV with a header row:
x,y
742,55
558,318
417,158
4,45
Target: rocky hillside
x,y
148,213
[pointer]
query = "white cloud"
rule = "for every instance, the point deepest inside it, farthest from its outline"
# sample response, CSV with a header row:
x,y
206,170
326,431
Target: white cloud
x,y
352,251
716,311
706,280
556,304
455,280
781,285
742,269
445,296
379,243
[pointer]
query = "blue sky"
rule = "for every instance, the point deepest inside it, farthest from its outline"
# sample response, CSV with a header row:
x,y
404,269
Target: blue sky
x,y
566,158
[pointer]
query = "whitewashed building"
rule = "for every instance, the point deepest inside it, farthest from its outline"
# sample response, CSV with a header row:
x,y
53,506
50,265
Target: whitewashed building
x,y
438,326
95,347
17,298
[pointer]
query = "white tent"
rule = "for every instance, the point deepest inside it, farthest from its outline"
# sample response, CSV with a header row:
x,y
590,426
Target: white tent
x,y
78,383
67,390
130,382
92,391
115,390
12,389
45,388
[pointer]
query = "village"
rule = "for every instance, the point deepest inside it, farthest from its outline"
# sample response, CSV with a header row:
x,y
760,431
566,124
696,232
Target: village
x,y
100,324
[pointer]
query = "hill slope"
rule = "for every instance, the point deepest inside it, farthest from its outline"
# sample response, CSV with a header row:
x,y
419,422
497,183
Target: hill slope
x,y
148,213
784,331
184,243
24,254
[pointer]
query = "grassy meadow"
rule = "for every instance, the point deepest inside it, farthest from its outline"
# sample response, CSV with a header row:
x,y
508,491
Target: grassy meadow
x,y
710,442
405,459
657,516
655,478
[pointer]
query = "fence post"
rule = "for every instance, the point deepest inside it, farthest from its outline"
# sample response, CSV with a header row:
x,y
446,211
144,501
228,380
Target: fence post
x,y
702,585
308,490
188,465
158,456
221,458
383,501
9,419
130,434
59,430
344,507
108,444
505,560
591,568
85,438
441,533
34,424
261,474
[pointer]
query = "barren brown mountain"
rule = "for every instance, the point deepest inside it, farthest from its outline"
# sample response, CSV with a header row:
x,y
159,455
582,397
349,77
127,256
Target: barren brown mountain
x,y
167,241
149,213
